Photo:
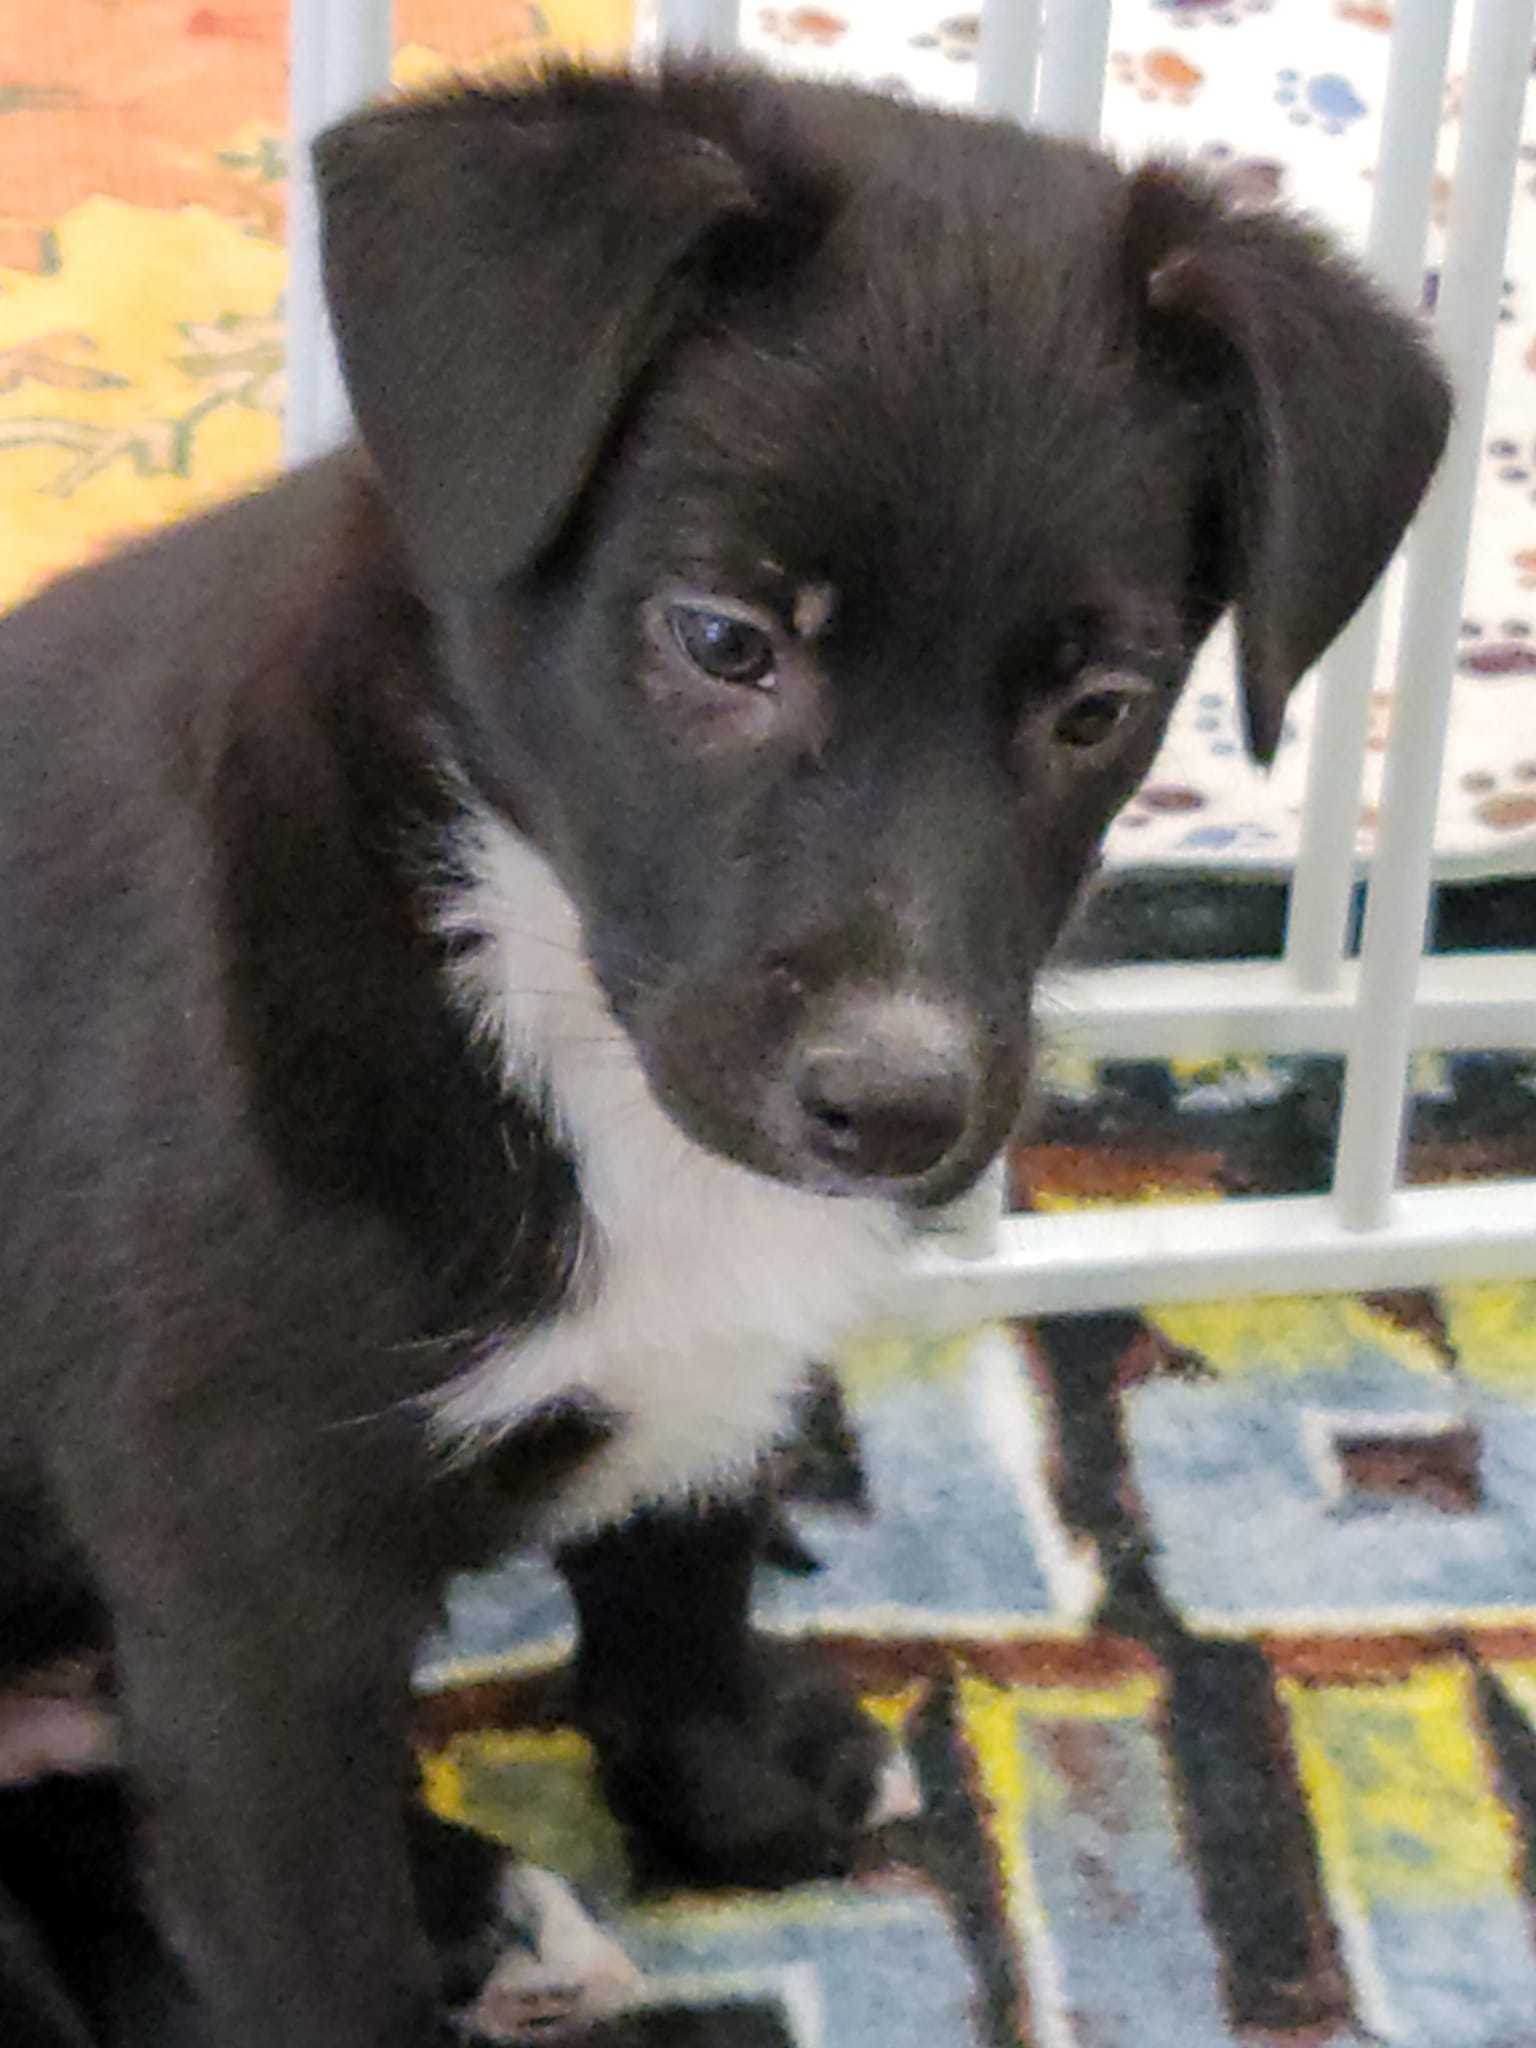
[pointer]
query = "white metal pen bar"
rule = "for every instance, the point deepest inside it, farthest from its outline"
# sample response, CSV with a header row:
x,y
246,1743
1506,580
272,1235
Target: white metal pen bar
x,y
1323,883
1095,1258
1074,58
1008,57
1059,62
1466,1002
699,25
339,55
1371,1125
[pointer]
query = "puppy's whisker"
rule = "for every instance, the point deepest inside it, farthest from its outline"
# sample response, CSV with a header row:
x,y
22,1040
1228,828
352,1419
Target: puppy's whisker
x,y
391,1410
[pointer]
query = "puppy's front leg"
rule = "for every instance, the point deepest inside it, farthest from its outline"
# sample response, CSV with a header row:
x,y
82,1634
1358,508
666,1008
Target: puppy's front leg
x,y
731,1757
275,1833
265,1698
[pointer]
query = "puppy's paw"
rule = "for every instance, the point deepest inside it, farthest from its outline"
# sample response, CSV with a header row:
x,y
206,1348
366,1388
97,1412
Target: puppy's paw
x,y
556,1969
56,1718
782,1786
41,1733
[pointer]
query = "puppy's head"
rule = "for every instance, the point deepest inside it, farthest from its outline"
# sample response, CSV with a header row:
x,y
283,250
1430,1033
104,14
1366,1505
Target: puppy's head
x,y
822,502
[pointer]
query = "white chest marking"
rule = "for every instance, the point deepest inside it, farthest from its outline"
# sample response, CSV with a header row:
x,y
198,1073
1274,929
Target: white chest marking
x,y
704,1290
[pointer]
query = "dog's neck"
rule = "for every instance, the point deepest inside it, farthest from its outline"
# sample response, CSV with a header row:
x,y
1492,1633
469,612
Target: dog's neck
x,y
703,1290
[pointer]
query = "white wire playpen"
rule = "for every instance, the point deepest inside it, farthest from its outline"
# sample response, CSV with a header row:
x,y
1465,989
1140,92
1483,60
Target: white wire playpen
x,y
1045,62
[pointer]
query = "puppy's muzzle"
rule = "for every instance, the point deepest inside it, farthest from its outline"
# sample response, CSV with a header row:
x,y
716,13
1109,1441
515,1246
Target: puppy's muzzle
x,y
886,1089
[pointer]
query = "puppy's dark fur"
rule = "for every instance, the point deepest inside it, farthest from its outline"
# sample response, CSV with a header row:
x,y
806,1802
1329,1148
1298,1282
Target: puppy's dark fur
x,y
979,436
81,1965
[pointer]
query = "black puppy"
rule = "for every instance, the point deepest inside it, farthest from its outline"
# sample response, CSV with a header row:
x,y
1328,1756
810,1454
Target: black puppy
x,y
500,932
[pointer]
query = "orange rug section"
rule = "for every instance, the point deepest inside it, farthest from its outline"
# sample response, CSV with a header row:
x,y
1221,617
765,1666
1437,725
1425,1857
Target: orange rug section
x,y
143,177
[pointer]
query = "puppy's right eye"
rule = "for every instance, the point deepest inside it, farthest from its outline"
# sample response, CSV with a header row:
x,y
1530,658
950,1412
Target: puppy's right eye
x,y
1090,719
1103,707
724,646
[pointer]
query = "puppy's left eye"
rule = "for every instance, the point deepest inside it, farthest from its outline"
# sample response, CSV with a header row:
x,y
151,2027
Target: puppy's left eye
x,y
1100,706
722,645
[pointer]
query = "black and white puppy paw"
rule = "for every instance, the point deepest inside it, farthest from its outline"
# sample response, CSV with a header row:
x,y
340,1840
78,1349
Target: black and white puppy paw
x,y
556,1968
56,1719
783,1782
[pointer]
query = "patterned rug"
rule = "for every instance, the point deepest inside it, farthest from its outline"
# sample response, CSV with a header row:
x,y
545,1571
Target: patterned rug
x,y
1212,1632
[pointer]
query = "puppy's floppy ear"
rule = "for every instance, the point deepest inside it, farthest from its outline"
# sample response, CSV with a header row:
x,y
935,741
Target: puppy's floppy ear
x,y
500,266
1321,412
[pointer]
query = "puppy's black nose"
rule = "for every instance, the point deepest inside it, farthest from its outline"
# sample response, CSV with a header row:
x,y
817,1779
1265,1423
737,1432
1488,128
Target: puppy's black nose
x,y
887,1089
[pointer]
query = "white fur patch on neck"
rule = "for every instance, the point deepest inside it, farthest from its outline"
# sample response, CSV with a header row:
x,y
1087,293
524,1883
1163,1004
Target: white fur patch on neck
x,y
703,1290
